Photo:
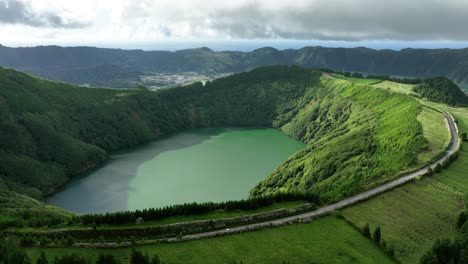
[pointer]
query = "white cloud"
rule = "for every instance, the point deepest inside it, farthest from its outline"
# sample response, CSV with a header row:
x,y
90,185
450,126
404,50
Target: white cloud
x,y
152,21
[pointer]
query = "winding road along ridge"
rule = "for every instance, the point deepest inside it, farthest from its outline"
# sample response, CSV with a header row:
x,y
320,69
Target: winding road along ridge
x,y
309,216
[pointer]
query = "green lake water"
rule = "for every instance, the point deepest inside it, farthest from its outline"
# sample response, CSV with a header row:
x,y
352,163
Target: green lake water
x,y
195,166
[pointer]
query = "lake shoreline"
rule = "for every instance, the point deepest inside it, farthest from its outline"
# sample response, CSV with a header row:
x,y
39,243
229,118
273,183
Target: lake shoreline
x,y
255,142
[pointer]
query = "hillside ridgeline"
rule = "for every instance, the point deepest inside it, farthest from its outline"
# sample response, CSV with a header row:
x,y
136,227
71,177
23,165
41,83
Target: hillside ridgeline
x,y
123,68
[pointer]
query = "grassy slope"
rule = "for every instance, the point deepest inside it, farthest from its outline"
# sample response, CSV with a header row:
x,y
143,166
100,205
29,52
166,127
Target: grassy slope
x,y
413,216
434,131
360,80
374,137
432,122
17,209
298,243
395,87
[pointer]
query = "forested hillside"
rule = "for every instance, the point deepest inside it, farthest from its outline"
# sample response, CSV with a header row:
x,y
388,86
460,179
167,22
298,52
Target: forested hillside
x,y
117,68
442,90
51,132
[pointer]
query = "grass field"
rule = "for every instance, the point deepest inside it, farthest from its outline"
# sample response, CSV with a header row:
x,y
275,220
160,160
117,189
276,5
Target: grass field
x,y
327,240
434,131
395,87
413,216
361,80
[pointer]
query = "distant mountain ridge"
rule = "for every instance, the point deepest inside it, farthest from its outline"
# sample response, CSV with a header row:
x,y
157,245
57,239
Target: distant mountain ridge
x,y
119,68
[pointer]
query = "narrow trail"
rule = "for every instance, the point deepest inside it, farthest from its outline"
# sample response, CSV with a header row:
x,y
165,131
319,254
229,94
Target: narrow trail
x,y
309,216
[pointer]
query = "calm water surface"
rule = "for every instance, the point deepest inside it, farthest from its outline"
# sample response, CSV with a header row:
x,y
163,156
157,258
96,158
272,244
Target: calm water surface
x,y
195,166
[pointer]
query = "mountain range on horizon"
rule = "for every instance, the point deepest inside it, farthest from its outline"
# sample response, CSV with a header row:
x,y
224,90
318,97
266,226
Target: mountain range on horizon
x,y
117,68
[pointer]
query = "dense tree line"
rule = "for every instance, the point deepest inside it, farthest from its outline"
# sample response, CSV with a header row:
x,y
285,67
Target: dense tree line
x,y
192,209
442,90
382,77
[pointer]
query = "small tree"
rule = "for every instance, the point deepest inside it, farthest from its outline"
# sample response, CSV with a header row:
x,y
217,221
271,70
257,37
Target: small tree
x,y
44,240
42,259
138,258
107,259
430,171
70,241
366,230
377,235
391,251
462,217
383,244
465,200
155,260
437,168
27,240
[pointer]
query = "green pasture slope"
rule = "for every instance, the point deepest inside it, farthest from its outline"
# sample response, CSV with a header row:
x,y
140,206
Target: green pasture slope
x,y
326,240
414,216
374,137
360,80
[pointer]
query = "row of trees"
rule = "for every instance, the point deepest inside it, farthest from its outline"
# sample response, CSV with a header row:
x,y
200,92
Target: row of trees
x,y
127,217
374,76
376,236
442,90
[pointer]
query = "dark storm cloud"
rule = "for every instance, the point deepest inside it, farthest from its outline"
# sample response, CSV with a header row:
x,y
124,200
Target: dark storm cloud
x,y
19,12
347,20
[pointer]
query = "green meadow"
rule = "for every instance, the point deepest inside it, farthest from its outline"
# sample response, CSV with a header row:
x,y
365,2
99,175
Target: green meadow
x,y
327,240
414,216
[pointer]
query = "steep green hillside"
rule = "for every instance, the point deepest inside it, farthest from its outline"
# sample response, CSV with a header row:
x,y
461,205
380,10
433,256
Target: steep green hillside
x,y
442,90
414,216
116,67
356,136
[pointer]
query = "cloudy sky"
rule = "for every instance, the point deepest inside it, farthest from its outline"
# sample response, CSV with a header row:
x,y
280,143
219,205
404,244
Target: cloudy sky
x,y
129,23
